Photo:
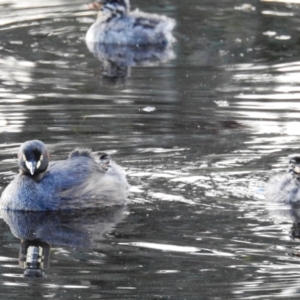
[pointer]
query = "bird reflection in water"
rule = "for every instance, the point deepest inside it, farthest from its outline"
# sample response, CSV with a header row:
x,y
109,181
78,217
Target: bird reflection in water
x,y
39,231
118,60
34,257
122,38
295,235
281,213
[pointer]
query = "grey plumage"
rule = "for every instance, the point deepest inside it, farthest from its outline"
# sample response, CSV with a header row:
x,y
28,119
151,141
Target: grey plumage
x,y
81,181
125,27
283,188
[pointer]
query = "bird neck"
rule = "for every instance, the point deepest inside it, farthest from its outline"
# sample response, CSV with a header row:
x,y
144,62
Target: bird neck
x,y
112,12
36,177
296,176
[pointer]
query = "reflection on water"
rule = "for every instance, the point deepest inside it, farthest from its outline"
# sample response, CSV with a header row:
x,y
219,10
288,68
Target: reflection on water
x,y
38,231
34,257
200,132
117,61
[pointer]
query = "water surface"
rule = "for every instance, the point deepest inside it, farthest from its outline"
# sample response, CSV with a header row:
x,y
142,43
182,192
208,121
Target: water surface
x,y
198,133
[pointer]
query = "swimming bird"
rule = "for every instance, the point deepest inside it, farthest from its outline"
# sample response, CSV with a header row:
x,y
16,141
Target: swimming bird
x,y
79,182
285,188
117,24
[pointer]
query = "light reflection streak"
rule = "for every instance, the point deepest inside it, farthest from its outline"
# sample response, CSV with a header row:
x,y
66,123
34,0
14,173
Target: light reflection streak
x,y
12,275
294,96
10,122
33,13
19,284
170,197
56,286
3,258
283,1
277,13
175,248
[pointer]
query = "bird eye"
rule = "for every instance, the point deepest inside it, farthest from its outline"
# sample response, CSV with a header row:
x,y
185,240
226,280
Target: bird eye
x,y
41,157
24,157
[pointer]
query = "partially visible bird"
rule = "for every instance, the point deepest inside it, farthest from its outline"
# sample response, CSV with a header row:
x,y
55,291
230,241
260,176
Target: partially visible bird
x,y
285,188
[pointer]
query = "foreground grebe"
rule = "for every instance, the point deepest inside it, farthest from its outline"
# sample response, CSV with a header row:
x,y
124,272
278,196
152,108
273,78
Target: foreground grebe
x,y
116,24
285,188
81,181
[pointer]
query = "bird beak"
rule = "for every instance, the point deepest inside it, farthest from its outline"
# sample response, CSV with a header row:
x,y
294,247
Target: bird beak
x,y
31,166
95,5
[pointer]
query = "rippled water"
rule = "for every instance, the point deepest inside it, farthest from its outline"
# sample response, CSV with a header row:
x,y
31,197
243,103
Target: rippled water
x,y
198,133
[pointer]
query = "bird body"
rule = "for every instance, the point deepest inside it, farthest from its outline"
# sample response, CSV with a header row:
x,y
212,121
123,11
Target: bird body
x,y
81,181
116,24
285,188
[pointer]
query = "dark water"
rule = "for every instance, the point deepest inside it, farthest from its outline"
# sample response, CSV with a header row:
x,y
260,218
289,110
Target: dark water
x,y
199,135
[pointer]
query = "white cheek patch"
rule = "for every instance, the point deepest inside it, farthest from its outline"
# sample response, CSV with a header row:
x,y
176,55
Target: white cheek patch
x,y
39,162
28,164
